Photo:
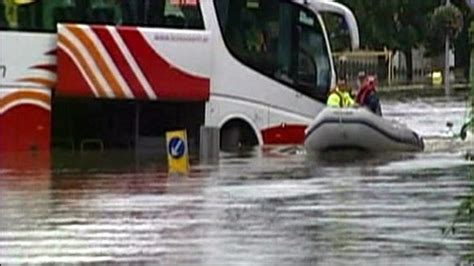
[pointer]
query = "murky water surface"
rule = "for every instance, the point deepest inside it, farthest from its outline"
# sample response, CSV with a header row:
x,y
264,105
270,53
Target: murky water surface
x,y
272,206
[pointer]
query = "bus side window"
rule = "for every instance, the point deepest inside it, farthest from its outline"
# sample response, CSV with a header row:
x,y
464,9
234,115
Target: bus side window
x,y
251,32
63,14
64,11
175,22
24,16
193,17
174,14
129,12
3,20
30,16
183,15
102,15
279,39
142,12
104,12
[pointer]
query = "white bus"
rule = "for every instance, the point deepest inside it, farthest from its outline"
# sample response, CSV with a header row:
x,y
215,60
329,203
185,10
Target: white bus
x,y
259,70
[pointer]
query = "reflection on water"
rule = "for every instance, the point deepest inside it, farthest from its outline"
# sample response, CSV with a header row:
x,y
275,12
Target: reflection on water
x,y
429,116
265,209
270,206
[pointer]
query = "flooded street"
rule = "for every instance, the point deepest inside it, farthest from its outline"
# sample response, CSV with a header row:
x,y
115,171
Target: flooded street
x,y
271,206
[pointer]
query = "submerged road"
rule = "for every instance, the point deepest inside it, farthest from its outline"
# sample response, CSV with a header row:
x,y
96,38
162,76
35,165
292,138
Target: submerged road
x,y
265,207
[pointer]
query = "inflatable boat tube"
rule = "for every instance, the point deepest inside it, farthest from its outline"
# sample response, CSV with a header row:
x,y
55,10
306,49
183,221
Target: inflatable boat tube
x,y
358,129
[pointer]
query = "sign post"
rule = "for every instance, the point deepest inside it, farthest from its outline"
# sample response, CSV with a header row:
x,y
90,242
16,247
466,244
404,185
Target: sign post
x,y
177,149
447,85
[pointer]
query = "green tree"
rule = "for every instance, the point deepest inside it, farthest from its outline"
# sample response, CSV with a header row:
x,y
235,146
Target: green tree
x,y
444,20
399,25
461,43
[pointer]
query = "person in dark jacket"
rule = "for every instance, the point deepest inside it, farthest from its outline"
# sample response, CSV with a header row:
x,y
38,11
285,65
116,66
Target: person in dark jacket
x,y
367,95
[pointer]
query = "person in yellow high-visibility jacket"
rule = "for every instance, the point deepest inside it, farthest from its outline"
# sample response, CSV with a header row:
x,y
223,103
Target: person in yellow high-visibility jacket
x,y
340,96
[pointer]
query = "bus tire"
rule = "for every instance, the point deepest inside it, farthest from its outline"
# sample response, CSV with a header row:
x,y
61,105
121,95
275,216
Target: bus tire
x,y
237,136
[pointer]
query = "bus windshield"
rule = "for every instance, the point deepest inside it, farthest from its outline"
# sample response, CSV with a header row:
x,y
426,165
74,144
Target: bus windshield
x,y
280,39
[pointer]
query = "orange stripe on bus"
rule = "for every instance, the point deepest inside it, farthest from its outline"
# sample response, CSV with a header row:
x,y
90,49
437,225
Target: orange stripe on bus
x,y
25,95
41,81
90,74
98,58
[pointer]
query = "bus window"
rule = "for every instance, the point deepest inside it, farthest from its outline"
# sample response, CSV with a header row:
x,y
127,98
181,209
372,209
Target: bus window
x,y
63,11
183,14
81,11
21,15
312,49
176,14
39,15
338,32
144,13
3,20
279,39
104,12
43,15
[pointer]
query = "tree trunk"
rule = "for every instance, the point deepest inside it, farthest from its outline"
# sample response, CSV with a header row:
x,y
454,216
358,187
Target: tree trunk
x,y
409,62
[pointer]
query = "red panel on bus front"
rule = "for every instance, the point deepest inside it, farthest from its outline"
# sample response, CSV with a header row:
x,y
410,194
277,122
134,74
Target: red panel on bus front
x,y
132,63
25,128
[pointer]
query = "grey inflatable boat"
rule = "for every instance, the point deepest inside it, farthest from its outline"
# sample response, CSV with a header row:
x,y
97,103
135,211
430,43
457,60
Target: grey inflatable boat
x,y
358,129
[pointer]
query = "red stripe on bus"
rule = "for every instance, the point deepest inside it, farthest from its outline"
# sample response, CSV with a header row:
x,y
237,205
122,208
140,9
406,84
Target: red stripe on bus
x,y
48,67
70,81
168,82
120,61
52,52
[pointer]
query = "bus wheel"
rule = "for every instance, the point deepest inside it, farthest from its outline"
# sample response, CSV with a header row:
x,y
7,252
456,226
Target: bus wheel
x,y
237,135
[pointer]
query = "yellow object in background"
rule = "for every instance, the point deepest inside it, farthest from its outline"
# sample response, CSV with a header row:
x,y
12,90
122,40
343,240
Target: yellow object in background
x,y
437,78
23,2
11,13
177,149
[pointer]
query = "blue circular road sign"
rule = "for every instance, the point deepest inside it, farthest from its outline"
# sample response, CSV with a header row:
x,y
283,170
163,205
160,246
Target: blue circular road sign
x,y
176,147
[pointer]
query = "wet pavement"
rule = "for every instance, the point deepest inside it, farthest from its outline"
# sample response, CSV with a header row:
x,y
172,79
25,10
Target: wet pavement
x,y
270,206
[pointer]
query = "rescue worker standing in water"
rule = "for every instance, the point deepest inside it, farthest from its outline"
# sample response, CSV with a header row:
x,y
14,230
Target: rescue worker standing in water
x,y
340,96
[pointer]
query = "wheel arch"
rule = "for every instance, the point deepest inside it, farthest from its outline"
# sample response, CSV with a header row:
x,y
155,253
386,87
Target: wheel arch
x,y
243,120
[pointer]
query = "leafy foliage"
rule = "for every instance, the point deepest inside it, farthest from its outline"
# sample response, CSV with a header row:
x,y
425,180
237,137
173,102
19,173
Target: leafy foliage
x,y
395,24
405,24
447,20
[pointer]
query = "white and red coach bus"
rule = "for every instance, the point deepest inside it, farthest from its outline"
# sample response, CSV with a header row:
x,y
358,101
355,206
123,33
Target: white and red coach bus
x,y
122,71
